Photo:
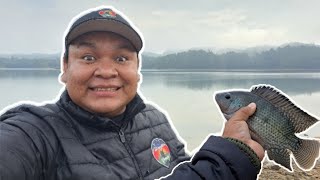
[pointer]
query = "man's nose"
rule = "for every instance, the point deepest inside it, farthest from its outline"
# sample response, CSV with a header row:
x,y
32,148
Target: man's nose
x,y
106,69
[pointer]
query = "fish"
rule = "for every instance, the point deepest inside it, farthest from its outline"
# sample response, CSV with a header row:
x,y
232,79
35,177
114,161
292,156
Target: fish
x,y
275,124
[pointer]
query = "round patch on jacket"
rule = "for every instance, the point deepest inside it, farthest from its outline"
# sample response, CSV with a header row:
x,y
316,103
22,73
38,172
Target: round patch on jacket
x,y
161,152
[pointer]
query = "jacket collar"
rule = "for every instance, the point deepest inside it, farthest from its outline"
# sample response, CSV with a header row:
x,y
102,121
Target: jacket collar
x,y
95,120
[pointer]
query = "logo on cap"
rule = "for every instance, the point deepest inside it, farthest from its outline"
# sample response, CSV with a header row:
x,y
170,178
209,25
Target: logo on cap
x,y
161,151
107,13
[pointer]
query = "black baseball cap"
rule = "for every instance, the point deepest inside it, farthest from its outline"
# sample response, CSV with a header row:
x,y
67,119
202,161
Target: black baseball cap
x,y
103,19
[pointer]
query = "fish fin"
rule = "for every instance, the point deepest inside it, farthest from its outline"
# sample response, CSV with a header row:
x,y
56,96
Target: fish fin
x,y
280,156
300,119
307,153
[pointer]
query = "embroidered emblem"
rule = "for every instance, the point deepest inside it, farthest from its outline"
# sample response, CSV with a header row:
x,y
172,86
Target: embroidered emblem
x,y
161,151
107,13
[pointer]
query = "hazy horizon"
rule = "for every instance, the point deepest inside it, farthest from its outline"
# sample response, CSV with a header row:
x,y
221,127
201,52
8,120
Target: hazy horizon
x,y
257,49
38,26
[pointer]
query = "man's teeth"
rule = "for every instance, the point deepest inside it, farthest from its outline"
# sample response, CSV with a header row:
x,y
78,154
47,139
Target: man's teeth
x,y
105,89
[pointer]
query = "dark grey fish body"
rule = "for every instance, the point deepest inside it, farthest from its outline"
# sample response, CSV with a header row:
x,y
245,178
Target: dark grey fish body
x,y
274,124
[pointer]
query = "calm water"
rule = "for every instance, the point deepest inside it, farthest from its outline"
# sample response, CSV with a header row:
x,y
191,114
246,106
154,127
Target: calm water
x,y
186,96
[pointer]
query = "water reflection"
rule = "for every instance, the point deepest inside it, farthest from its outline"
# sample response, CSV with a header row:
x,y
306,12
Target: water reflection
x,y
186,96
291,83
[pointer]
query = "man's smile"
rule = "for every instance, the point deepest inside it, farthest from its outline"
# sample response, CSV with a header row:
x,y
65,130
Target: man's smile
x,y
105,88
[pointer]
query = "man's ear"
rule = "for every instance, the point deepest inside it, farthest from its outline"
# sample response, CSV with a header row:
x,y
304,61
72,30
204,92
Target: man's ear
x,y
139,77
63,76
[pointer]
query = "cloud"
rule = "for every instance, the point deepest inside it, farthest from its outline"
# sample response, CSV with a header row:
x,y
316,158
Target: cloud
x,y
34,26
245,37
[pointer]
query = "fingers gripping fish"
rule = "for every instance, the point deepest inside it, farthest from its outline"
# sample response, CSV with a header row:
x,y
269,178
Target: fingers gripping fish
x,y
274,124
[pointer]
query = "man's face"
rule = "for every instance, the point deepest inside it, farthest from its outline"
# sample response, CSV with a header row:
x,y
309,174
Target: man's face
x,y
101,74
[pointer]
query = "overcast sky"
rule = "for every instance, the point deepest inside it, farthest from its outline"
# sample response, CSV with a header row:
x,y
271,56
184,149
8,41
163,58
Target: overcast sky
x,y
37,26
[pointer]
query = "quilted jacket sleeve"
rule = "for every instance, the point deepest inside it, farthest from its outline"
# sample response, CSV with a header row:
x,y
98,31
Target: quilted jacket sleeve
x,y
18,155
26,153
217,159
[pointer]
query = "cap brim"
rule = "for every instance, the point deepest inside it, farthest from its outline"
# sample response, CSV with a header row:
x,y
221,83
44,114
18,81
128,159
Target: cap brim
x,y
106,25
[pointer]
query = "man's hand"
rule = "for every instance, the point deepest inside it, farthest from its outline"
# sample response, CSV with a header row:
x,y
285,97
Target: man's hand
x,y
237,128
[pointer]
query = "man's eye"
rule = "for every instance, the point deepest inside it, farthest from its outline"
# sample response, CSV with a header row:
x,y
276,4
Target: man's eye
x,y
88,58
121,59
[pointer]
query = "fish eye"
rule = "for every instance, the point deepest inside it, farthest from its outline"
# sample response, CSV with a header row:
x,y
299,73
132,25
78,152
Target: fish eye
x,y
227,96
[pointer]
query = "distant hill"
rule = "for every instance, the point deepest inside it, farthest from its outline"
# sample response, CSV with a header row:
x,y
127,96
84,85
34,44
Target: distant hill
x,y
296,56
289,56
30,61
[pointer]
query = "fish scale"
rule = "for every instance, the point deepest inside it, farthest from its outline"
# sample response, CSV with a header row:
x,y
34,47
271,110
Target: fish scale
x,y
274,124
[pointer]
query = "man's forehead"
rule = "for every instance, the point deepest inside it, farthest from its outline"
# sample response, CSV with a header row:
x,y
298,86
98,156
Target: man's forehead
x,y
90,40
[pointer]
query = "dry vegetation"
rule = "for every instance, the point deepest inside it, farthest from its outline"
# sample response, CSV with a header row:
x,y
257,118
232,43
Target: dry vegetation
x,y
271,171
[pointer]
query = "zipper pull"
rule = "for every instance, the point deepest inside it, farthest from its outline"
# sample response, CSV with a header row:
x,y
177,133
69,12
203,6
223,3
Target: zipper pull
x,y
122,137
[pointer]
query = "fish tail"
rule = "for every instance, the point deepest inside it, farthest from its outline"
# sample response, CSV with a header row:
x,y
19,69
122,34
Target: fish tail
x,y
307,153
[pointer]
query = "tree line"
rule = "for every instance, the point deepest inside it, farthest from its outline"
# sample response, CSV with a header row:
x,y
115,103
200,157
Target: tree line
x,y
286,57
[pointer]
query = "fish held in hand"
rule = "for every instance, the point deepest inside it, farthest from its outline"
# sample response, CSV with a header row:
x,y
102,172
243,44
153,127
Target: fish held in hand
x,y
274,124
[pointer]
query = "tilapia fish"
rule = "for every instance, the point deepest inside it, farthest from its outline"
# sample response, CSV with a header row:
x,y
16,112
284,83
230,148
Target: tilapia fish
x,y
274,124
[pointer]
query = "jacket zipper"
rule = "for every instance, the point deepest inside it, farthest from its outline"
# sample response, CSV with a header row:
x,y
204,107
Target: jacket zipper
x,y
123,140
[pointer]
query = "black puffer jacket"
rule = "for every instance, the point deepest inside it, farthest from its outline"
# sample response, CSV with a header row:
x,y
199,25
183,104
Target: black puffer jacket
x,y
63,141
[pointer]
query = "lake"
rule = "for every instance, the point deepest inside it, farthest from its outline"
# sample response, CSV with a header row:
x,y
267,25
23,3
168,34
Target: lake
x,y
186,96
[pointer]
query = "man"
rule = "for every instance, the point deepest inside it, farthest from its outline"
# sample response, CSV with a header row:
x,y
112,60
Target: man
x,y
100,128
